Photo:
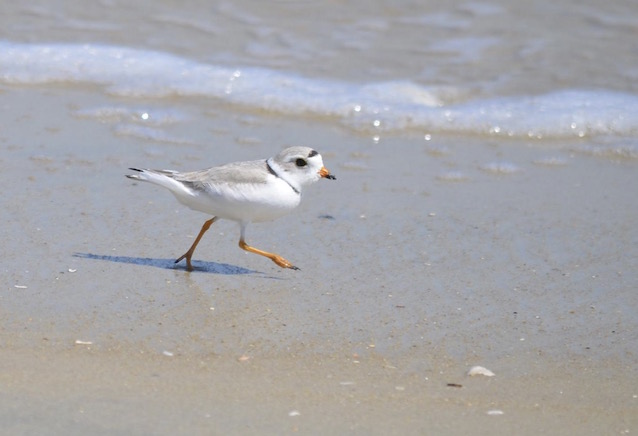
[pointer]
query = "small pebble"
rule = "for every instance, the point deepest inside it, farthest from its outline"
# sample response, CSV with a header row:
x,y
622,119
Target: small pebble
x,y
495,412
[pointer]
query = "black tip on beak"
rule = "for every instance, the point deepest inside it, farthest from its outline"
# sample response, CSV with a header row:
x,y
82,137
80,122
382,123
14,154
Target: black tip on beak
x,y
323,172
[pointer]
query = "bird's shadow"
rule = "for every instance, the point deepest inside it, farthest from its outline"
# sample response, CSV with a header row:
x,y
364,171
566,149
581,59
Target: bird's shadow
x,y
199,267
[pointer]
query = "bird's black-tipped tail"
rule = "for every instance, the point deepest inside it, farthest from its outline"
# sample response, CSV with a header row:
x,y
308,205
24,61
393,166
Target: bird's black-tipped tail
x,y
134,176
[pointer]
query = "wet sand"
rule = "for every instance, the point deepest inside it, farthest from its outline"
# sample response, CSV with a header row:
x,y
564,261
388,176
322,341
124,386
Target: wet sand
x,y
423,259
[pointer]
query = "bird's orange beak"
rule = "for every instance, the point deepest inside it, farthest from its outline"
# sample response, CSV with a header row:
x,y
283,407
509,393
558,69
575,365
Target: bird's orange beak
x,y
323,172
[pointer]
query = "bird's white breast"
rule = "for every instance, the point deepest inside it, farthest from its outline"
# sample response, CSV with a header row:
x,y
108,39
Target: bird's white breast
x,y
248,202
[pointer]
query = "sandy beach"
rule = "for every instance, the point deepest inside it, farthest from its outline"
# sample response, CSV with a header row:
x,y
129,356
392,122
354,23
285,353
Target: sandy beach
x,y
484,214
419,262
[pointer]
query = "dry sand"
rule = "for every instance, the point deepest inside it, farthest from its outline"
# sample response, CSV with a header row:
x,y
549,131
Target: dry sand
x,y
423,259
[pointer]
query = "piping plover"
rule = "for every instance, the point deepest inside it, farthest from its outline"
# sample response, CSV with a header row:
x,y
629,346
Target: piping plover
x,y
252,191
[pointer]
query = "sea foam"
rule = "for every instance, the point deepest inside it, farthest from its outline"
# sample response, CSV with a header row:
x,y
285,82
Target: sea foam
x,y
377,106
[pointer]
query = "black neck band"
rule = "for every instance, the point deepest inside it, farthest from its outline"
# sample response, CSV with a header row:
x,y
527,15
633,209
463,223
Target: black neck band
x,y
271,171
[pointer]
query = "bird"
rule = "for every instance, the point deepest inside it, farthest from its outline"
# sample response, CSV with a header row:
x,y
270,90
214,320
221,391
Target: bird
x,y
244,192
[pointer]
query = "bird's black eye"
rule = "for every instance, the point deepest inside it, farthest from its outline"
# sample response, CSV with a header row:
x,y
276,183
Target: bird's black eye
x,y
301,162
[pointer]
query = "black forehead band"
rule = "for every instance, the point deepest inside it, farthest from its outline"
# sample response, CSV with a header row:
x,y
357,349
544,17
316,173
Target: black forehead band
x,y
313,153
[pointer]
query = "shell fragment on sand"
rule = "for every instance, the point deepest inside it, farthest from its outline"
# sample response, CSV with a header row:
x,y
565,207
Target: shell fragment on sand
x,y
479,370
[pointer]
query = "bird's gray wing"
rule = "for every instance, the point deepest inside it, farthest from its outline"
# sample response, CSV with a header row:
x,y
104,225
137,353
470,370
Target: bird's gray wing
x,y
251,172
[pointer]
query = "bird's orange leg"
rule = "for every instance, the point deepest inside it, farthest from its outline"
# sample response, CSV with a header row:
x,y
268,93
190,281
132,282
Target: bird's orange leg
x,y
191,250
274,257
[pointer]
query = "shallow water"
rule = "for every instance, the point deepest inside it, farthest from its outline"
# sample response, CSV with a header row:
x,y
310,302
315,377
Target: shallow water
x,y
541,71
